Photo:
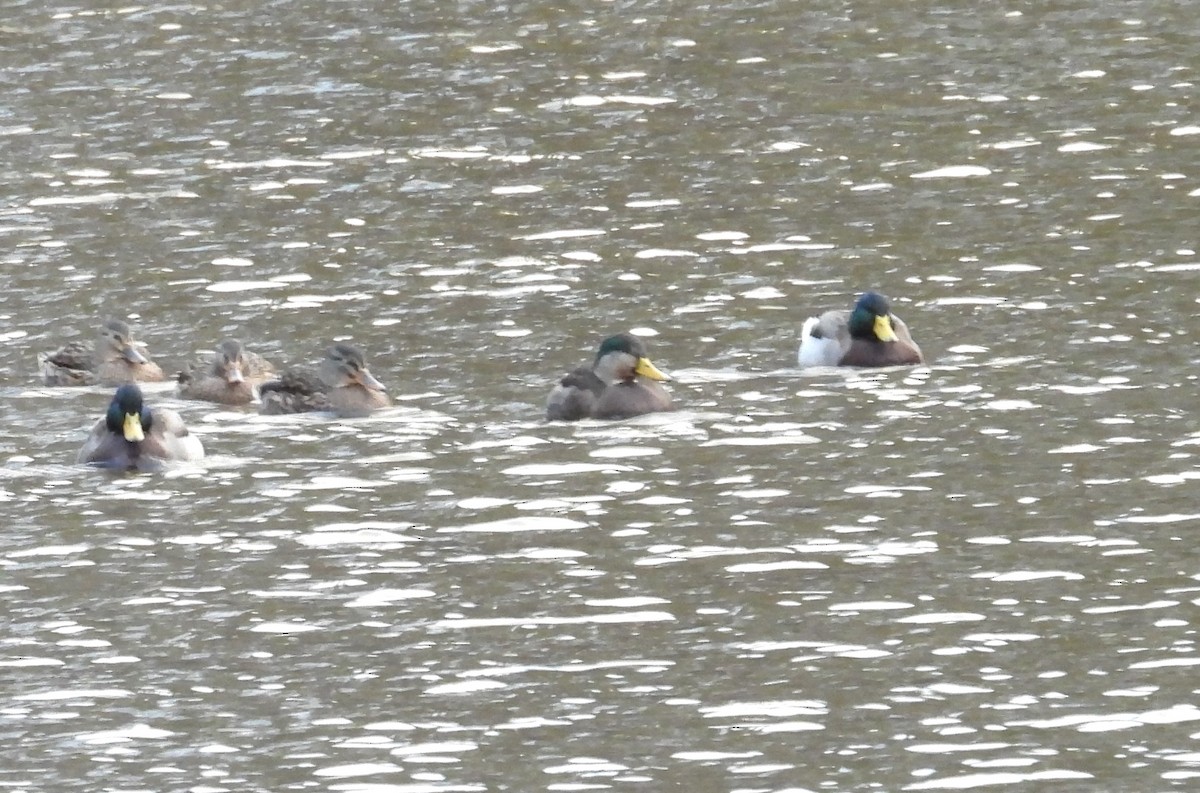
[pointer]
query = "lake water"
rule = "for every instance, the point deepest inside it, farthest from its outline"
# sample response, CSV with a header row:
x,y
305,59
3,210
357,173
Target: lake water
x,y
970,575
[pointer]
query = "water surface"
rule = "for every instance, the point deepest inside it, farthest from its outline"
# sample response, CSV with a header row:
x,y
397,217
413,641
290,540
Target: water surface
x,y
970,575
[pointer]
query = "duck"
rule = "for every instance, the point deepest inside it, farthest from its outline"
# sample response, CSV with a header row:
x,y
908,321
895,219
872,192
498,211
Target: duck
x,y
620,383
869,335
229,377
113,359
341,384
132,437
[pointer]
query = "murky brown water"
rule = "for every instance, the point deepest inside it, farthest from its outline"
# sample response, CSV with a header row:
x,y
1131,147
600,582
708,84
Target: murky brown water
x,y
971,575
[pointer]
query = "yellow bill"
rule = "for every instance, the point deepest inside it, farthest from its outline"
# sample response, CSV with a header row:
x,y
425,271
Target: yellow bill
x,y
883,329
647,369
133,428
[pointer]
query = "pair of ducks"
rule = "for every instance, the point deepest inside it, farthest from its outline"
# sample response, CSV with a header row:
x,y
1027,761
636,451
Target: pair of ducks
x,y
131,436
622,382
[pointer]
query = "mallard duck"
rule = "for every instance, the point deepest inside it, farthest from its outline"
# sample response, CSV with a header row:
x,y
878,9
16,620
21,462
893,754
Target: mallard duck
x,y
229,377
868,335
621,382
131,437
341,384
114,359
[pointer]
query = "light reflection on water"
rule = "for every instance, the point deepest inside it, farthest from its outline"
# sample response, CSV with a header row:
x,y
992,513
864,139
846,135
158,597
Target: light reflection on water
x,y
967,575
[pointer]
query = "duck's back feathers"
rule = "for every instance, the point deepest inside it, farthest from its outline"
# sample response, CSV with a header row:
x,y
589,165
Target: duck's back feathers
x,y
297,390
170,439
824,339
257,368
69,365
575,396
905,336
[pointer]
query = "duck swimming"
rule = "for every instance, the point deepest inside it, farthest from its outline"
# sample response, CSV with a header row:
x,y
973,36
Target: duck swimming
x,y
620,383
113,359
342,384
869,335
131,437
229,377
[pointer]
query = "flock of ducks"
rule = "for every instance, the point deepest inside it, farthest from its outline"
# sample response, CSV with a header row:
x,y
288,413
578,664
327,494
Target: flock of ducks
x,y
131,436
619,383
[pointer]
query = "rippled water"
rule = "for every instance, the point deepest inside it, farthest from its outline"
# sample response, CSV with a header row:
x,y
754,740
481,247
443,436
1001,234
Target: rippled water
x,y
972,575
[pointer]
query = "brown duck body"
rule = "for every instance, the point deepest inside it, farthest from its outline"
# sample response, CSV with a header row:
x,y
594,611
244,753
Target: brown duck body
x,y
229,377
296,390
575,396
620,383
341,385
869,352
631,398
115,358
